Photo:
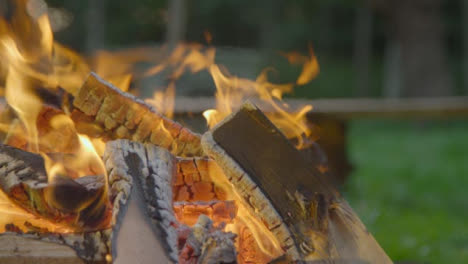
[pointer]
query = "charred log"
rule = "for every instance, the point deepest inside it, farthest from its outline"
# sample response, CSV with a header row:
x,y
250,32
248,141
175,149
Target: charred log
x,y
152,169
24,179
293,199
38,245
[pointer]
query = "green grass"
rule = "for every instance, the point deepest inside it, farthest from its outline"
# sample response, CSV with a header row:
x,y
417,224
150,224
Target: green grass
x,y
410,188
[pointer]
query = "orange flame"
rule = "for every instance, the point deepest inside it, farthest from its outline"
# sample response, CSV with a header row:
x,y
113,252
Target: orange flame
x,y
29,65
231,91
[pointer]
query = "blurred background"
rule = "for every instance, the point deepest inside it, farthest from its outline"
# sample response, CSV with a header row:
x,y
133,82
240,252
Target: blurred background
x,y
410,176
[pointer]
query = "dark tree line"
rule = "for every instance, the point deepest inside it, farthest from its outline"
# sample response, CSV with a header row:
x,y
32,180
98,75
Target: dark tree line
x,y
419,44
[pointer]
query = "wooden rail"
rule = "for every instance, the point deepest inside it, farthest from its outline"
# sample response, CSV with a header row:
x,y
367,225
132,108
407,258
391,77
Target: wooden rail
x,y
331,116
404,108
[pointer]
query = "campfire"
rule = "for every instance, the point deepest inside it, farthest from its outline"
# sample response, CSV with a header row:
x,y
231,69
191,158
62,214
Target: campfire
x,y
82,158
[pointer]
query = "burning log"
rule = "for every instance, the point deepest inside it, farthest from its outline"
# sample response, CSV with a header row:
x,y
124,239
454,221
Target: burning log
x,y
122,116
38,245
129,160
24,179
309,218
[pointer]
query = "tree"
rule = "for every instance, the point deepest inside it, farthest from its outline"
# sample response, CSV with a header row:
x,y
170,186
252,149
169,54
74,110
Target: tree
x,y
417,28
363,48
465,45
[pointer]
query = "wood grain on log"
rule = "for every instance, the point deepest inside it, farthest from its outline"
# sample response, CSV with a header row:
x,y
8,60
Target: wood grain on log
x,y
123,116
88,247
16,249
194,180
293,199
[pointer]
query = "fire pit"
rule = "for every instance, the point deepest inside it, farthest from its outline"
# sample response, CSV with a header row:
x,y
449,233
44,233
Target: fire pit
x,y
91,174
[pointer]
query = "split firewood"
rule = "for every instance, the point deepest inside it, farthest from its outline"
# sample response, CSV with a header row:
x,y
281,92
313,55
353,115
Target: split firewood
x,y
194,180
308,217
123,116
152,169
24,179
220,212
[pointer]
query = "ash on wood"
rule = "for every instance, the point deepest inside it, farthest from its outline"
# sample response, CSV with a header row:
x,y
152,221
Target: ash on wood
x,y
152,169
23,178
123,116
206,244
293,199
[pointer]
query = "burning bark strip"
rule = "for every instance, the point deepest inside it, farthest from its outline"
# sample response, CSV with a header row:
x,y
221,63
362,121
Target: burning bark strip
x,y
305,213
24,179
123,116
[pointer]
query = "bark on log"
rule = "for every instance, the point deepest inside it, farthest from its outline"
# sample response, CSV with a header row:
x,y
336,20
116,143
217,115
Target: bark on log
x,y
152,169
305,213
24,179
122,116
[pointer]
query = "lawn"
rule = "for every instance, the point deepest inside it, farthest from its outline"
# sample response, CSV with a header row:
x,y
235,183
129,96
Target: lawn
x,y
410,188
